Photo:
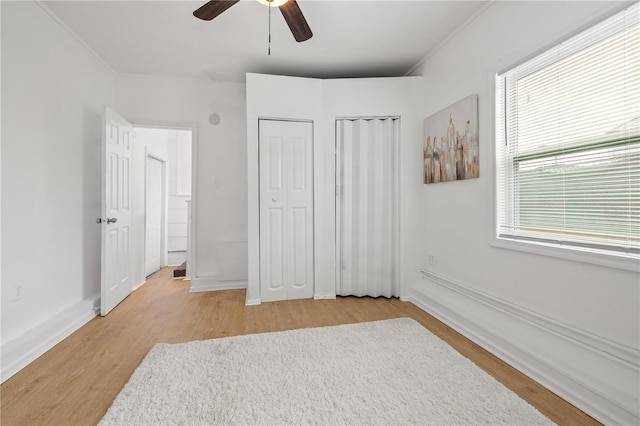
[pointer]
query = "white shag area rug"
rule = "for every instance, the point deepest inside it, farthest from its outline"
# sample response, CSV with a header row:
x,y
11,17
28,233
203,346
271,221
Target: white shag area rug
x,y
390,372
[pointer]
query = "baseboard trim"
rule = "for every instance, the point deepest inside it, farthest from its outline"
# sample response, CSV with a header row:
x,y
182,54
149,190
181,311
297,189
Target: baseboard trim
x,y
139,285
211,283
26,348
589,397
617,352
253,302
323,296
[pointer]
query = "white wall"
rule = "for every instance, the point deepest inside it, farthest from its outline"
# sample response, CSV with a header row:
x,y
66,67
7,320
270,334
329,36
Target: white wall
x,y
322,101
1,183
573,326
220,162
275,97
53,89
377,97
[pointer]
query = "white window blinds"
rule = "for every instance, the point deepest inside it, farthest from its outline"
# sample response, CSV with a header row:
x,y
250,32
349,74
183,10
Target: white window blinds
x,y
568,142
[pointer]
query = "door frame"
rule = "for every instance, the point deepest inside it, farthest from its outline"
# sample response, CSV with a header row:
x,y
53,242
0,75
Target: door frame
x,y
149,154
396,198
193,127
313,190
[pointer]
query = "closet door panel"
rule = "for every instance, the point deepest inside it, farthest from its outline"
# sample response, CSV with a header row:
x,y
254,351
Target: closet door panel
x,y
286,210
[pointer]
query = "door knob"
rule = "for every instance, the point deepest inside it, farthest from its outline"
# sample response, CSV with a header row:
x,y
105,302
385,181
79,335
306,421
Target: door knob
x,y
109,220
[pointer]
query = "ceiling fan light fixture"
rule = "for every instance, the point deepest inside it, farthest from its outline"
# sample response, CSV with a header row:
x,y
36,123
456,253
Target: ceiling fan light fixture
x,y
272,3
291,13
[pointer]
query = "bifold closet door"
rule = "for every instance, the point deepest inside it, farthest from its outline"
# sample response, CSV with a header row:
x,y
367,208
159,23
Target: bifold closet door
x,y
286,210
366,206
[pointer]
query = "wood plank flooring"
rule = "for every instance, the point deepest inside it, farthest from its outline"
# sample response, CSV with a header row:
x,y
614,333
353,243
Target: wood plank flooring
x,y
75,382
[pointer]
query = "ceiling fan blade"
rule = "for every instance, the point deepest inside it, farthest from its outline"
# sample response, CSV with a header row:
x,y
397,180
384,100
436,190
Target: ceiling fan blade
x,y
296,21
213,8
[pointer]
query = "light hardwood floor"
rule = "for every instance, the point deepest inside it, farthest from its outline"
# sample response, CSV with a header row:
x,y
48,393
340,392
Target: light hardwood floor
x,y
76,381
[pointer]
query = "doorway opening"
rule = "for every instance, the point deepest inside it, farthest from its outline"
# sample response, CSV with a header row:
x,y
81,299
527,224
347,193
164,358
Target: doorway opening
x,y
162,197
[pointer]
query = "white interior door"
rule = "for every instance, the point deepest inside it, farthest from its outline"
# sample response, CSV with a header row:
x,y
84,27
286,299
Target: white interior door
x,y
153,216
366,206
116,207
286,210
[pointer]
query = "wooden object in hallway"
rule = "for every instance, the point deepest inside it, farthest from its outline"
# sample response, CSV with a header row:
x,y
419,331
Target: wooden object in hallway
x,y
75,382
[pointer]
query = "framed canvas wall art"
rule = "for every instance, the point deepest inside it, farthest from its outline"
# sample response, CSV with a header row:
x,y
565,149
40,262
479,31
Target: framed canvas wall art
x,y
451,150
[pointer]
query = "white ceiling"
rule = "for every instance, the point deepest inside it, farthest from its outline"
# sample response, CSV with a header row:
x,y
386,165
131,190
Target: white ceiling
x,y
351,38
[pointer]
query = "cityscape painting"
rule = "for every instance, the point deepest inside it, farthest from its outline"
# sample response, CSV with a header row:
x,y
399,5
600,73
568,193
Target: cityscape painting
x,y
451,149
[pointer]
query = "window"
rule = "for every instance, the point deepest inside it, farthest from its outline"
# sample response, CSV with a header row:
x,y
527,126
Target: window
x,y
568,143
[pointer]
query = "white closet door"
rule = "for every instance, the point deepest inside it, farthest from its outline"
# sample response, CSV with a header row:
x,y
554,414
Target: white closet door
x,y
286,210
366,207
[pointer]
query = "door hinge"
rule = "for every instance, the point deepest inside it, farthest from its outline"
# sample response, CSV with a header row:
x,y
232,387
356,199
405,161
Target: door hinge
x,y
337,190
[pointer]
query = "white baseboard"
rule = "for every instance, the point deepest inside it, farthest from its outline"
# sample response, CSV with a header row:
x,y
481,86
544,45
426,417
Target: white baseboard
x,y
317,296
139,285
596,375
213,284
26,348
321,296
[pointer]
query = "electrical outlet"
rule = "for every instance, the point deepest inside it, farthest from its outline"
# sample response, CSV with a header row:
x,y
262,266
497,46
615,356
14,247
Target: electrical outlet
x,y
432,259
17,291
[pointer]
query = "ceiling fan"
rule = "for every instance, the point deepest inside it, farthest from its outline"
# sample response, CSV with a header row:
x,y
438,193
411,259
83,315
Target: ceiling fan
x,y
289,8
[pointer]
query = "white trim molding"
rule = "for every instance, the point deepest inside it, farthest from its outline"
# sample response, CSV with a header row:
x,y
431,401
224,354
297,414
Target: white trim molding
x,y
316,296
212,283
42,4
450,36
138,286
26,348
593,373
323,296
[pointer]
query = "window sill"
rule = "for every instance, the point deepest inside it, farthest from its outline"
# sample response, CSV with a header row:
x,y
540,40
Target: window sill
x,y
629,263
